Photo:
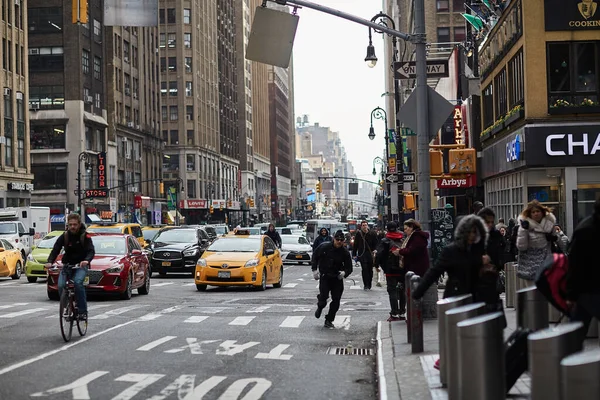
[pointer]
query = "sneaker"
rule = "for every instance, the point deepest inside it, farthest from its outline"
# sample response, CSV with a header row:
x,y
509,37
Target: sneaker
x,y
329,325
436,365
318,313
394,318
378,284
402,317
82,316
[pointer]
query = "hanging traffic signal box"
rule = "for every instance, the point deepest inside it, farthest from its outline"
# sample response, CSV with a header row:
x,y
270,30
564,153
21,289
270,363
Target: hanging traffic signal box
x,y
229,203
161,187
319,187
409,202
220,206
462,161
80,11
211,210
436,162
251,202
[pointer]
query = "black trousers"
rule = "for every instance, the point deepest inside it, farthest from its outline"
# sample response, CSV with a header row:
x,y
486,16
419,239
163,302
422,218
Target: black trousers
x,y
336,287
366,265
395,289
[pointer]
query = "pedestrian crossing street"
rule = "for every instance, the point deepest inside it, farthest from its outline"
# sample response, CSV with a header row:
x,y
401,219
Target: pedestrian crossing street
x,y
188,315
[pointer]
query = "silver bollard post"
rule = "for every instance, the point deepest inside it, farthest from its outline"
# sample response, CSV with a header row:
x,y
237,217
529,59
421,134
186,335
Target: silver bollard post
x,y
407,279
511,284
453,317
443,306
481,358
580,374
546,349
416,318
532,309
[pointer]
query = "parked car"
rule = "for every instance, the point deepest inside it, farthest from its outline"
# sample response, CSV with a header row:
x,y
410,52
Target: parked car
x,y
295,248
176,249
119,267
123,228
11,261
34,266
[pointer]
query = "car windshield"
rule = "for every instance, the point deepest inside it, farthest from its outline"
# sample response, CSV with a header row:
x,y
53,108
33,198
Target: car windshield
x,y
221,230
112,229
108,245
47,242
149,233
177,236
242,245
8,229
288,239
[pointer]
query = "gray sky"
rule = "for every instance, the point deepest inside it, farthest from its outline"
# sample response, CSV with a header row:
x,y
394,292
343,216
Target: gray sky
x,y
333,84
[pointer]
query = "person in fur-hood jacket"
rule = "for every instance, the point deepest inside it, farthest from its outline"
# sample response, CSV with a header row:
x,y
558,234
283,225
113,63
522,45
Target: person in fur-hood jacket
x,y
462,260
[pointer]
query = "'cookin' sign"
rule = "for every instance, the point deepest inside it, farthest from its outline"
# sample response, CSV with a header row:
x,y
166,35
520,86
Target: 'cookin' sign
x,y
562,144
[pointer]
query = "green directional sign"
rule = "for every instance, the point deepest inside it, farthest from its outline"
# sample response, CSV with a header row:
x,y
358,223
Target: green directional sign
x,y
407,132
171,199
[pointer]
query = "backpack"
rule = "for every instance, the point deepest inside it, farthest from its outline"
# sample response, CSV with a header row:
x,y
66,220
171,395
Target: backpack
x,y
551,280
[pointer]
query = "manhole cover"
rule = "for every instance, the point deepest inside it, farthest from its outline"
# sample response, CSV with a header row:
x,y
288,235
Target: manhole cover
x,y
349,351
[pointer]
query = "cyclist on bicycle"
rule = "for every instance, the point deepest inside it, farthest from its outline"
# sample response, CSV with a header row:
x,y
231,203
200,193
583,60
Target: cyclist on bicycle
x,y
79,249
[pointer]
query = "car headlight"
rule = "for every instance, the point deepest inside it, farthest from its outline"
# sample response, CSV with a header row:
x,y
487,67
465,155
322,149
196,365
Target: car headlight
x,y
30,257
201,262
252,263
115,268
190,253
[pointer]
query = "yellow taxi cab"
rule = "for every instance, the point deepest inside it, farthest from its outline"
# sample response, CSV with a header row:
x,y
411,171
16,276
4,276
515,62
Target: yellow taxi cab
x,y
122,228
240,259
149,231
11,263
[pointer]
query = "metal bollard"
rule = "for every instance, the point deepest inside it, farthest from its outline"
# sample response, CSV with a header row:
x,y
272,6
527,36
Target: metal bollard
x,y
511,284
481,359
443,306
546,349
416,318
407,278
579,374
532,309
593,330
453,317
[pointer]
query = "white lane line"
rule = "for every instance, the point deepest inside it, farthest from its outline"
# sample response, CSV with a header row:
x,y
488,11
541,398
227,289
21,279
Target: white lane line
x,y
154,315
4,307
343,322
90,308
195,319
210,310
306,274
61,349
20,313
156,343
291,322
355,287
189,284
258,309
300,279
117,311
161,284
241,321
301,309
9,283
290,285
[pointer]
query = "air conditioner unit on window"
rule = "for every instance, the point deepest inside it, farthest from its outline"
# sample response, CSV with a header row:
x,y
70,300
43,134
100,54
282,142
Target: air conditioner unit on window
x,y
19,96
127,91
133,188
126,59
34,106
6,91
130,124
138,127
89,99
2,140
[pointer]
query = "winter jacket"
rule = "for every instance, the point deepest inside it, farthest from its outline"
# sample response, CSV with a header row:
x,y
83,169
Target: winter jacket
x,y
275,237
330,260
415,254
463,263
495,248
583,275
364,245
78,247
385,259
535,235
321,238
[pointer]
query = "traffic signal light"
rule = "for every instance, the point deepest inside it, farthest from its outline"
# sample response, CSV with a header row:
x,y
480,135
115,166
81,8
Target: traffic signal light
x,y
211,209
80,11
436,162
229,203
251,202
161,187
220,206
319,187
409,202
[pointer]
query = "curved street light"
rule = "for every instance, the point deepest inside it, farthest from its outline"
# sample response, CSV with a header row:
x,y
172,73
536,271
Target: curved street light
x,y
378,113
377,160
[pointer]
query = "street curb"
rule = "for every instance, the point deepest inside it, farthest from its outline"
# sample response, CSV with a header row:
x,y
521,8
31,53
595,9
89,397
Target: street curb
x,y
387,382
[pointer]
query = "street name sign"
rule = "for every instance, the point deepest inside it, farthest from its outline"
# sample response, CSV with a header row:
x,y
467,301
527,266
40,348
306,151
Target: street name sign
x,y
391,178
408,69
408,177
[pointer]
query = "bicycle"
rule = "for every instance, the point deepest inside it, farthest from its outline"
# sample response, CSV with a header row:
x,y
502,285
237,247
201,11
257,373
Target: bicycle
x,y
68,305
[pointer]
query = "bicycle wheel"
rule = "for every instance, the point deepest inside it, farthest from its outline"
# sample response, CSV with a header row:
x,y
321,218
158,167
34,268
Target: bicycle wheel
x,y
66,316
82,326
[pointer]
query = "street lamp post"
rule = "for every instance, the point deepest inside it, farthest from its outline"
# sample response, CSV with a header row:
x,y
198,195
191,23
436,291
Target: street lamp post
x,y
209,191
379,113
178,187
83,156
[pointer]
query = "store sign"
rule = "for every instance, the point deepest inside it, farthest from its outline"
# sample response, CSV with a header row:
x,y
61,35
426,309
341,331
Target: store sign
x,y
560,145
513,149
459,137
573,15
460,183
187,204
102,170
584,144
20,186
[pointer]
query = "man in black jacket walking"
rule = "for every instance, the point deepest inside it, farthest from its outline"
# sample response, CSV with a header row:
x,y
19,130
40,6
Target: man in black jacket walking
x,y
365,244
274,235
334,265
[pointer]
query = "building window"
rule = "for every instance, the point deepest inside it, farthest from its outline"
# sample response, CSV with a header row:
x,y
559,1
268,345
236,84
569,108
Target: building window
x,y
458,6
21,152
8,153
187,16
49,177
127,85
174,136
89,138
163,88
501,99
516,76
97,30
190,137
20,107
187,40
162,40
188,64
189,88
45,59
161,16
189,113
44,20
126,51
173,88
45,137
171,16
460,34
173,113
163,64
488,106
190,162
98,68
442,5
443,35
191,188
85,61
163,110
172,64
171,163
98,101
171,40
573,69
46,97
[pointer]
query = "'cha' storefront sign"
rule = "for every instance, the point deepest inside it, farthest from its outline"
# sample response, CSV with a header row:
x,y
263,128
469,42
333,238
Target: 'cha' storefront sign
x,y
570,15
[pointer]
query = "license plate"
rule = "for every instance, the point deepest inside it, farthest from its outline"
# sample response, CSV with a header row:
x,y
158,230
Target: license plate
x,y
86,281
298,256
223,274
166,264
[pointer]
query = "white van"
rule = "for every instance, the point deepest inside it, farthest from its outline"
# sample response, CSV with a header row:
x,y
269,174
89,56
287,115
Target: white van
x,y
313,226
24,227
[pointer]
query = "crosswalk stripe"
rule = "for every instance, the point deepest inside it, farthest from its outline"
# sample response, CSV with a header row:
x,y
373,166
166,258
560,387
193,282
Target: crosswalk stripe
x,y
290,285
292,322
258,309
4,307
342,322
196,319
355,287
210,310
189,284
24,312
9,283
161,284
117,311
241,321
155,315
301,309
156,343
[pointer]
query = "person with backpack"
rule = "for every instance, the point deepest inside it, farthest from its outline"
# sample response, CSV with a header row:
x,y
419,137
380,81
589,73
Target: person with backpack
x,y
365,245
583,275
322,238
79,249
388,258
331,264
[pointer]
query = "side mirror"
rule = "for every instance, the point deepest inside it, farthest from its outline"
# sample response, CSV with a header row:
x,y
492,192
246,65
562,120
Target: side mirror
x,y
31,232
269,252
136,252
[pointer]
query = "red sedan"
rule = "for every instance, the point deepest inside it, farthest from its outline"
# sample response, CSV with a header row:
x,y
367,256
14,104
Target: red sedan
x,y
118,267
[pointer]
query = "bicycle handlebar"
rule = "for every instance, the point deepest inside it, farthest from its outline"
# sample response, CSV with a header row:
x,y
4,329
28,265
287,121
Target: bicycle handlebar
x,y
54,267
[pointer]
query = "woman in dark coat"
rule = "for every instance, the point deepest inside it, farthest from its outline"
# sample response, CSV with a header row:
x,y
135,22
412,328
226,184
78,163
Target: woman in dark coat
x,y
414,253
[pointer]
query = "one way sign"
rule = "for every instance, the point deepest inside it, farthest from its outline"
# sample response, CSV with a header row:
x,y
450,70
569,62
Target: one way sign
x,y
408,69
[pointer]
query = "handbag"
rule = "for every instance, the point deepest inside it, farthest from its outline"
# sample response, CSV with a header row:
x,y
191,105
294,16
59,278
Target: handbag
x,y
529,261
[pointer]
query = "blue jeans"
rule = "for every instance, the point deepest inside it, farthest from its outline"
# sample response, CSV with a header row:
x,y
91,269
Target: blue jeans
x,y
78,275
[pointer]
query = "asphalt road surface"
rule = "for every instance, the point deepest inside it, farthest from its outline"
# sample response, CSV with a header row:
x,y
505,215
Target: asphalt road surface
x,y
178,343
